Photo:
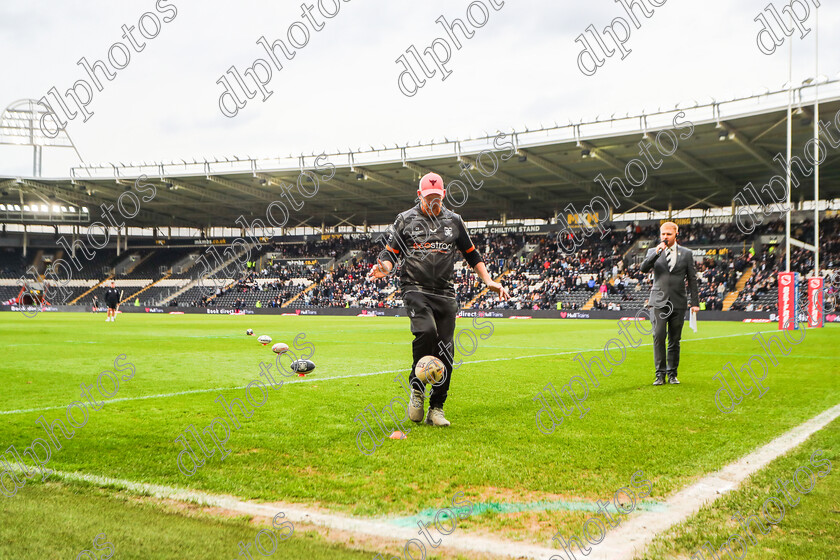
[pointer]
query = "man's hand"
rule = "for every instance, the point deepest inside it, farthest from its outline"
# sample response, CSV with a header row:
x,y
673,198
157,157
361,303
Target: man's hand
x,y
661,247
695,309
499,289
381,269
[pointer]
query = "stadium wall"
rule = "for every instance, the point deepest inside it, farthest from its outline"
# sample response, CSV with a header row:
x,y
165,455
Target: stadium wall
x,y
740,316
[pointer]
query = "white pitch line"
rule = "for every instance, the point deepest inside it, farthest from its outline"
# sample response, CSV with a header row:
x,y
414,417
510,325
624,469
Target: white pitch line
x,y
634,535
621,544
379,528
166,395
314,379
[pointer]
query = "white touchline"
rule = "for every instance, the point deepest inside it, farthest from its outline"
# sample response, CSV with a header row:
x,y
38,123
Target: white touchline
x,y
314,379
379,528
623,543
632,536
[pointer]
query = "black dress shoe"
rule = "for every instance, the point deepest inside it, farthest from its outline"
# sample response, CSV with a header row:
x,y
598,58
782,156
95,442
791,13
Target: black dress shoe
x,y
672,379
660,380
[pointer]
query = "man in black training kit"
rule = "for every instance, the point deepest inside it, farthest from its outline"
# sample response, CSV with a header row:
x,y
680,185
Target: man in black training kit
x,y
425,238
112,300
672,265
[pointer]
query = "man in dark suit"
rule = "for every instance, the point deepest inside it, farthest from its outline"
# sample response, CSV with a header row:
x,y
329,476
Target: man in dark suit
x,y
672,265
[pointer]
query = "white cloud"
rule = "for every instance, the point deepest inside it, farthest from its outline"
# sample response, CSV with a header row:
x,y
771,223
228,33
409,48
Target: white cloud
x,y
341,89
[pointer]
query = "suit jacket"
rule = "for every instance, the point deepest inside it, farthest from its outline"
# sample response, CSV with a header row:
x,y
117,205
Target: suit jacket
x,y
669,285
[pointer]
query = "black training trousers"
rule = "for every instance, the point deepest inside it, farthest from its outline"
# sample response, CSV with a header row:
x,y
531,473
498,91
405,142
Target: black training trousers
x,y
433,326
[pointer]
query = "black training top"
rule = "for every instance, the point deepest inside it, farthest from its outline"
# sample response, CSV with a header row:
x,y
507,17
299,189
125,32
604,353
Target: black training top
x,y
426,245
112,296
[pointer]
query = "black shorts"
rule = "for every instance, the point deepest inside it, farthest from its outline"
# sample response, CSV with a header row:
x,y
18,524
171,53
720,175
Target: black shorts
x,y
112,306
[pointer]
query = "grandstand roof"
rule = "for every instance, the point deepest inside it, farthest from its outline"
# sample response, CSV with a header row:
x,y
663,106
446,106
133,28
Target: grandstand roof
x,y
733,143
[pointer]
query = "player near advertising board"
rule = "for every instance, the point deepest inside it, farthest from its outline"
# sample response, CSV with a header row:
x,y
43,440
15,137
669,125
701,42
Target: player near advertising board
x,y
424,239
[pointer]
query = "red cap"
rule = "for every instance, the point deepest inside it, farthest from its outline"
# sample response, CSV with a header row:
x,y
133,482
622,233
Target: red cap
x,y
431,183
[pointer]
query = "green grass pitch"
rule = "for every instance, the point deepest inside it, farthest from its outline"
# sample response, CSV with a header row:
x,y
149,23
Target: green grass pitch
x,y
300,446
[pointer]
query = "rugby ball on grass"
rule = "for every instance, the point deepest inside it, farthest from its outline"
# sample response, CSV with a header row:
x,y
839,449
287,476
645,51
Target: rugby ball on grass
x,y
280,348
264,339
302,367
250,332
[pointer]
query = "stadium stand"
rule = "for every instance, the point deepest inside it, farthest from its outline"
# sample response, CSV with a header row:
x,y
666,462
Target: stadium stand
x,y
12,263
734,271
761,292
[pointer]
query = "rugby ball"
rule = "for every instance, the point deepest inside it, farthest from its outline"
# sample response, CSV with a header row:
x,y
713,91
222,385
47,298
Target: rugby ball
x,y
302,367
250,332
264,339
280,348
429,369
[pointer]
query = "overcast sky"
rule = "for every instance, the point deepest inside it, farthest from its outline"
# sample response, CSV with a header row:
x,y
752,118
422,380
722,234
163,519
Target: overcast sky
x,y
340,90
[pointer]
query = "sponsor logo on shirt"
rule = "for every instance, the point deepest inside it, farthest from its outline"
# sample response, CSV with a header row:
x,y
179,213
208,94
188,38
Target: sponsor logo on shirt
x,y
438,246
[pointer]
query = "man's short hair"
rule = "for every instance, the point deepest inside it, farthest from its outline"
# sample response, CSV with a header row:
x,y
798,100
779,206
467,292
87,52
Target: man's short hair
x,y
671,225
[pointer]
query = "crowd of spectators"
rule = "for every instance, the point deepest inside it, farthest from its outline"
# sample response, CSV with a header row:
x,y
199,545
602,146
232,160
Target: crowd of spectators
x,y
348,286
273,284
331,247
553,279
498,251
760,293
538,273
761,283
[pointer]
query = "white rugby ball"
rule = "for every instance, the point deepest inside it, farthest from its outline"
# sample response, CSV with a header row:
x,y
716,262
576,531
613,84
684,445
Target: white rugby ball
x,y
280,348
264,339
429,369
